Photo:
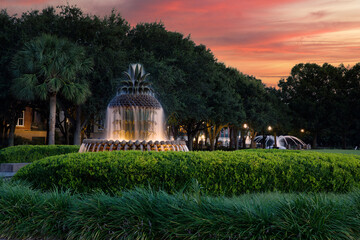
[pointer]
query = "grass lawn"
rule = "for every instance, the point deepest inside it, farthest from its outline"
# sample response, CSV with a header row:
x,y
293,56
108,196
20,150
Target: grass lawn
x,y
344,151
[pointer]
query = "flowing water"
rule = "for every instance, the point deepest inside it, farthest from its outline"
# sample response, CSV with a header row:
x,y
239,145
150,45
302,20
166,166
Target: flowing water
x,y
135,123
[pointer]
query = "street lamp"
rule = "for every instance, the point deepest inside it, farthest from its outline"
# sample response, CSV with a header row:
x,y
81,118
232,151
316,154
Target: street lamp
x,y
269,128
302,130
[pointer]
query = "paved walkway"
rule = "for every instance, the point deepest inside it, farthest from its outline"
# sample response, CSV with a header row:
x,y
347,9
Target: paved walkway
x,y
6,175
7,170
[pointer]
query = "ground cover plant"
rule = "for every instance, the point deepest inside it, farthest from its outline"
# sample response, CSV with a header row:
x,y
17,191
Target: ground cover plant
x,y
30,153
148,214
224,173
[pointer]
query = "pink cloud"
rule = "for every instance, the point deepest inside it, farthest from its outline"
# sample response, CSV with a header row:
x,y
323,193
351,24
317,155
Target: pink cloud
x,y
7,3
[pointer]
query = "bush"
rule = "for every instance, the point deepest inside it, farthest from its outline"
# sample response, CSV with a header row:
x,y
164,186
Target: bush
x,y
146,214
30,153
229,173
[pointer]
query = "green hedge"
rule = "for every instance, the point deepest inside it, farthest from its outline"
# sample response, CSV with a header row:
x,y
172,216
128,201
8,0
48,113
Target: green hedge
x,y
30,153
229,173
146,214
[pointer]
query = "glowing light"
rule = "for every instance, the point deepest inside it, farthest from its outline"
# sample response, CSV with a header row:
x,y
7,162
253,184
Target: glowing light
x,y
302,130
245,125
269,128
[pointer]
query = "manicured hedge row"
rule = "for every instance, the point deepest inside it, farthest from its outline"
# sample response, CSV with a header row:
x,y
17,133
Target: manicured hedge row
x,y
30,153
229,173
145,214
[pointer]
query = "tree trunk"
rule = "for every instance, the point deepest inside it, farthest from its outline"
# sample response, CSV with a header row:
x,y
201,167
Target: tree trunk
x,y
236,130
242,132
6,135
212,144
2,129
344,140
231,137
77,133
206,138
253,134
192,128
214,131
190,141
66,128
52,119
196,144
12,132
217,142
175,131
61,125
212,137
275,143
211,129
314,145
263,140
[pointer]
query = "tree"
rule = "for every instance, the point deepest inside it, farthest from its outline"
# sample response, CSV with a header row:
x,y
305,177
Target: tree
x,y
256,105
48,66
306,92
350,97
225,105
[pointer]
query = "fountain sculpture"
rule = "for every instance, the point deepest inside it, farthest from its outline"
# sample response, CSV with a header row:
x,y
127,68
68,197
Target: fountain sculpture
x,y
134,119
282,142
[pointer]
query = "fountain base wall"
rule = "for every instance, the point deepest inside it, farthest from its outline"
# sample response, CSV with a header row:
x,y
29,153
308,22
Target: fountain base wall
x,y
103,145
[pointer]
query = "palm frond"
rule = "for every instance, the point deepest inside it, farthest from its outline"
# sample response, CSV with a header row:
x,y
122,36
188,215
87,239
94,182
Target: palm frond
x,y
55,63
24,86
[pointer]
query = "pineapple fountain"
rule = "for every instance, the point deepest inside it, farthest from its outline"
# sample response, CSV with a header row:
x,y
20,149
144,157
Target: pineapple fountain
x,y
134,119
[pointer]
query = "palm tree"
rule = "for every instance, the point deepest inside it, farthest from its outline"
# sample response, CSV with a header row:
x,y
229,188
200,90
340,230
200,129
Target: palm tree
x,y
48,66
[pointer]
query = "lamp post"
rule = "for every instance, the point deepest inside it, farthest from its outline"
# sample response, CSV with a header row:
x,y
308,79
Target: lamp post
x,y
270,129
243,131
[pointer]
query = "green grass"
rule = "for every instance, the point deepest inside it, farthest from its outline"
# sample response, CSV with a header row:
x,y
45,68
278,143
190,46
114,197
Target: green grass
x,y
149,214
342,151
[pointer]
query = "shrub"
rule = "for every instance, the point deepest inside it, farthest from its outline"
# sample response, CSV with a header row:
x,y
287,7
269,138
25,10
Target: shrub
x,y
30,153
146,214
229,173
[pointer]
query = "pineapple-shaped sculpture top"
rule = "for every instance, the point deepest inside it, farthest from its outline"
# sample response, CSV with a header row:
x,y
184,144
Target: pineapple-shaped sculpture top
x,y
135,81
135,89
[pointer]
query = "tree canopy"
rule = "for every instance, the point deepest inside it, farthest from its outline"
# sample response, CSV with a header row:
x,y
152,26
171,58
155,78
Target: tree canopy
x,y
197,92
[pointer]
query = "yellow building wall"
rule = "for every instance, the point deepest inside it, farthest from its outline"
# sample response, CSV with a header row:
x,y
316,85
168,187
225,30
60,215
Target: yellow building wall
x,y
26,131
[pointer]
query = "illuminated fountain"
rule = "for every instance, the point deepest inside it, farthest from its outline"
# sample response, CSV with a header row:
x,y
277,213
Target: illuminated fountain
x,y
282,142
134,119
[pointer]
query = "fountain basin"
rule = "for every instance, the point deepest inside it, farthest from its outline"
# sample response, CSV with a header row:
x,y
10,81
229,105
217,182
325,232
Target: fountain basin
x,y
103,145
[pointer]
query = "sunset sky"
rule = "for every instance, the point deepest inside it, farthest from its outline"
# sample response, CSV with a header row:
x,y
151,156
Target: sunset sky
x,y
264,38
